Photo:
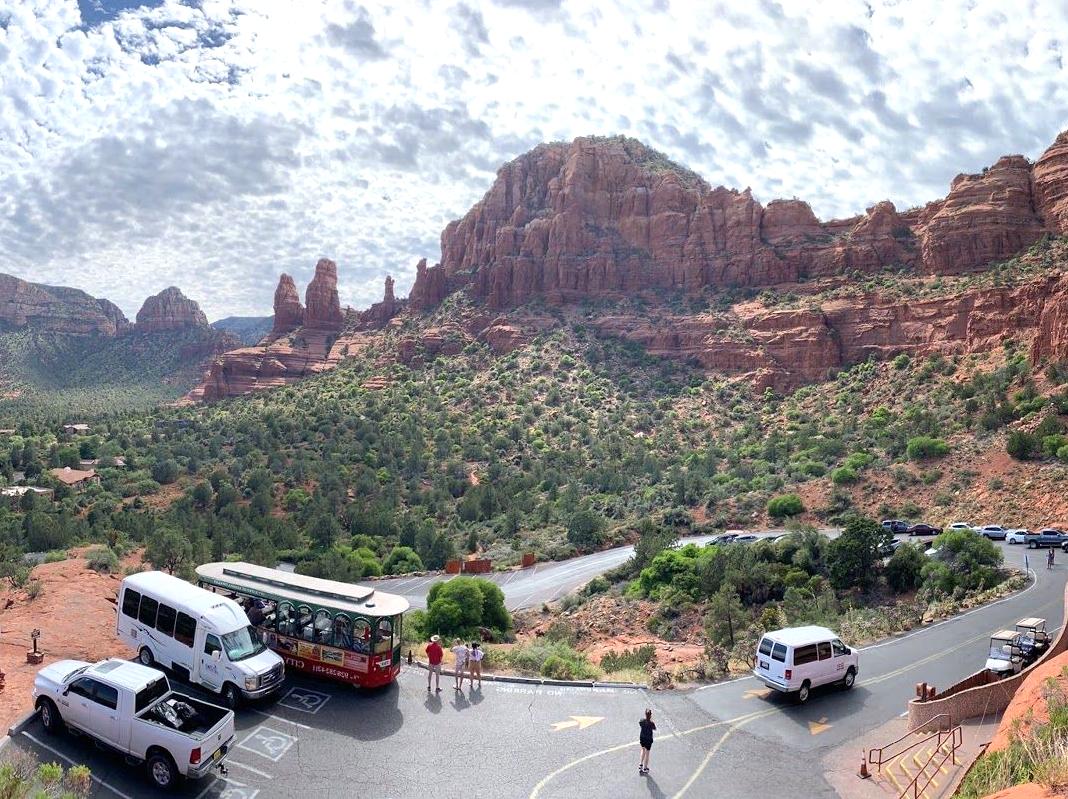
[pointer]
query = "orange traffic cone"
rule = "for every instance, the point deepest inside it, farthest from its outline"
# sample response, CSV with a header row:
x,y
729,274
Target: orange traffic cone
x,y
864,773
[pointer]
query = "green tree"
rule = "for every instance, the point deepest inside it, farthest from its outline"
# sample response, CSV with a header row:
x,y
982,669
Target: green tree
x,y
904,571
464,604
202,494
165,471
852,557
585,528
168,549
1021,445
323,530
725,616
403,560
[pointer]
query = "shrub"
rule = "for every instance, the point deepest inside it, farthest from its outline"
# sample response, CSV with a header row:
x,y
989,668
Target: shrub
x,y
102,560
1021,445
636,658
924,448
785,505
901,361
49,774
555,660
34,588
585,528
402,560
844,475
463,605
904,571
79,780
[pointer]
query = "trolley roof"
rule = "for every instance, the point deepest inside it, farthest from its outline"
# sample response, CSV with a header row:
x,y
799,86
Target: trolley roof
x,y
300,589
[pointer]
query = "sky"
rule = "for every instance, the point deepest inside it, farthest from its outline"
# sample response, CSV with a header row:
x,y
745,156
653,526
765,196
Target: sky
x,y
213,144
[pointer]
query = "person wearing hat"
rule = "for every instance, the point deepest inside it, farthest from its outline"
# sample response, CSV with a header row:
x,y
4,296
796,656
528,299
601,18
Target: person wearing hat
x,y
434,655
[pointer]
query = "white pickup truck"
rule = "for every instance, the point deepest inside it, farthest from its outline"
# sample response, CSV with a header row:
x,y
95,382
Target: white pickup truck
x,y
131,709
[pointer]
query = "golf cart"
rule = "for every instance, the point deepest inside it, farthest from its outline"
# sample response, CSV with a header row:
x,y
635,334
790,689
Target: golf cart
x,y
1005,657
1033,638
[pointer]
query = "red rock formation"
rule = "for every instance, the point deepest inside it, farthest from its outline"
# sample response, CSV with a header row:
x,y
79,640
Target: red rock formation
x,y
378,315
1050,175
169,310
985,218
430,285
322,307
57,309
288,312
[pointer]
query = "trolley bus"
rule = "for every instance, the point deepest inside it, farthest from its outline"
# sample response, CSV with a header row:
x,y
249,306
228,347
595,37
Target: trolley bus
x,y
327,628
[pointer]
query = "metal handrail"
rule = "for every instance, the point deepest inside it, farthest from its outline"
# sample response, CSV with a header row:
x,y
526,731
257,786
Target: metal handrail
x,y
956,740
872,761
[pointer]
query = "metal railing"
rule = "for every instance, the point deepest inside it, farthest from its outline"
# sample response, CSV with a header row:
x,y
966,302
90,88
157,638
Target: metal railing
x,y
878,755
955,738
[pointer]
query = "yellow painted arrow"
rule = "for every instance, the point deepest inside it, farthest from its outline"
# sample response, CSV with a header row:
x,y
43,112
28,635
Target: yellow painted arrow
x,y
582,722
757,693
816,727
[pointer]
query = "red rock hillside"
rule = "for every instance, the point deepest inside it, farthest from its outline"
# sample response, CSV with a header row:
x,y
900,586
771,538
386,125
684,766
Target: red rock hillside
x,y
610,217
57,309
169,310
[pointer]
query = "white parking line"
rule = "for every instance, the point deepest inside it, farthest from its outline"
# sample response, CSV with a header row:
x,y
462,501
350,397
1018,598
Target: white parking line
x,y
239,764
95,778
226,793
278,718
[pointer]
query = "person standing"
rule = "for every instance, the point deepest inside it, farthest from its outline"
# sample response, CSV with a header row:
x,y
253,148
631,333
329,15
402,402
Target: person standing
x,y
434,655
459,651
475,659
1049,558
645,740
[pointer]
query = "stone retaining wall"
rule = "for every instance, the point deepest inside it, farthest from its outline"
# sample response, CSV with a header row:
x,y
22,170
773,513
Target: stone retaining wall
x,y
977,695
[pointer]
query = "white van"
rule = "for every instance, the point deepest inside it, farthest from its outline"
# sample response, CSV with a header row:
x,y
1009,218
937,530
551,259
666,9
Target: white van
x,y
203,637
797,659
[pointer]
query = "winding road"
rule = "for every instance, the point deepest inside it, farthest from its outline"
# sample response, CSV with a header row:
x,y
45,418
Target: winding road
x,y
730,739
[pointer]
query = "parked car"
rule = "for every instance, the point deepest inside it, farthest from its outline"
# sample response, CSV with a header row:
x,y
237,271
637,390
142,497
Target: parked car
x,y
130,708
960,526
895,526
726,538
746,539
924,529
889,548
797,659
1047,537
932,552
1018,536
778,537
995,532
1005,657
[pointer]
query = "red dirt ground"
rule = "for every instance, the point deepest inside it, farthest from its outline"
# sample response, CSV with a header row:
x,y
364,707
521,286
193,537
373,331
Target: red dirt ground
x,y
76,620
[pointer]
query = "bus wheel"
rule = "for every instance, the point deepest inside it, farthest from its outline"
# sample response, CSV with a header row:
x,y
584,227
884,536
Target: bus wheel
x,y
802,692
146,657
231,696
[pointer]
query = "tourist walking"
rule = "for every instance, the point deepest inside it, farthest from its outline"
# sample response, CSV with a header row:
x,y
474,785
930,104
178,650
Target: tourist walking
x,y
475,659
459,651
645,739
1049,558
434,655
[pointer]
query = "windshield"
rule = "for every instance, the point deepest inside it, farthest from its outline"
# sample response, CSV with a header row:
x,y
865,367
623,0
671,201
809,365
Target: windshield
x,y
1000,650
241,644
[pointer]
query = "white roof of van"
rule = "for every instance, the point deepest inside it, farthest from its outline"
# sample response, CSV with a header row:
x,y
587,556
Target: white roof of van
x,y
799,636
124,673
221,612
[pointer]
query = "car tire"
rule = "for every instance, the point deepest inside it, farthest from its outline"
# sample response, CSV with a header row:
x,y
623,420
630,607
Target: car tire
x,y
146,658
231,696
50,718
803,692
850,679
1032,545
162,771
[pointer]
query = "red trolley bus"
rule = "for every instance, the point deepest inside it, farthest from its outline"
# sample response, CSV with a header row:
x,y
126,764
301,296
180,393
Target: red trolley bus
x,y
327,628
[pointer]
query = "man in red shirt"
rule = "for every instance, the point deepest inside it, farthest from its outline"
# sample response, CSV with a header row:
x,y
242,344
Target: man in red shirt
x,y
434,655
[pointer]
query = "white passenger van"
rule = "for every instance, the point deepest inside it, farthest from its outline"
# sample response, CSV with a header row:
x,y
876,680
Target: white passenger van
x,y
203,637
797,659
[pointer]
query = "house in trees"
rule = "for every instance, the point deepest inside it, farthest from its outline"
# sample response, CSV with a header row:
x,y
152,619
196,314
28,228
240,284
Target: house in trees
x,y
76,479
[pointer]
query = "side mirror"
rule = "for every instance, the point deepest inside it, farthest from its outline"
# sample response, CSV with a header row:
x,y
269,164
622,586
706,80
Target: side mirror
x,y
66,691
216,655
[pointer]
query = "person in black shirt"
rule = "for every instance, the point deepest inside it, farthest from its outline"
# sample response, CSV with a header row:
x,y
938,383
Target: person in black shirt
x,y
646,740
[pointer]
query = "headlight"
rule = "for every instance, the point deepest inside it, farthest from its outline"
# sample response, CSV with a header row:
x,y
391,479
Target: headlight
x,y
251,683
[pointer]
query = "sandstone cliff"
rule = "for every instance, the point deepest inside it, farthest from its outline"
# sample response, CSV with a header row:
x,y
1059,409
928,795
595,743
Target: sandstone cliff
x,y
288,312
322,309
169,310
610,217
56,309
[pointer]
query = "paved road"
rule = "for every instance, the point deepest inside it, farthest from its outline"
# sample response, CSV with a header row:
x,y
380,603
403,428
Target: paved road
x,y
725,740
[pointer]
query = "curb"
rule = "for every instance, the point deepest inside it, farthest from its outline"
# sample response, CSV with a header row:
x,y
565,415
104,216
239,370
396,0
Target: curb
x,y
22,723
507,678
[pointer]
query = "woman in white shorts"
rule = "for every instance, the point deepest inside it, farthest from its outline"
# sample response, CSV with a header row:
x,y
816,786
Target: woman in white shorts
x,y
475,659
460,652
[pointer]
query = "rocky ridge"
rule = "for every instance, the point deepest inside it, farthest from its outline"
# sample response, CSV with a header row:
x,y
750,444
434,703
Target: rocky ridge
x,y
56,309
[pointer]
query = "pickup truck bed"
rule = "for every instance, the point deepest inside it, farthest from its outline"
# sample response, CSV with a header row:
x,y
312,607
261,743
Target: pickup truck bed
x,y
190,716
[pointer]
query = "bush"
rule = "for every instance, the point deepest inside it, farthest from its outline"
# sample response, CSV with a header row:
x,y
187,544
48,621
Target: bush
x,y
462,605
637,658
901,361
165,471
102,560
924,448
844,475
904,571
585,529
785,505
964,560
402,560
34,588
555,660
79,780
1021,445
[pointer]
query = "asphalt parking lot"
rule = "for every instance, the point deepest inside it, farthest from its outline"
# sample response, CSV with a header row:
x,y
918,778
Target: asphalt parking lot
x,y
529,741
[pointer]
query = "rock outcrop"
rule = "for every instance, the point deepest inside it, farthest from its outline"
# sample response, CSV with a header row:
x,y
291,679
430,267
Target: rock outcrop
x,y
288,312
169,310
610,217
56,309
378,315
322,307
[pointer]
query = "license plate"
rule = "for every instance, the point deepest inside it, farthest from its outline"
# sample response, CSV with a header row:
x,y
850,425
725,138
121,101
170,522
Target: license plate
x,y
218,754
764,665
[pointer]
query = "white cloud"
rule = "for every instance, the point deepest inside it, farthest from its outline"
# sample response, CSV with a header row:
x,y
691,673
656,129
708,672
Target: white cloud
x,y
213,144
